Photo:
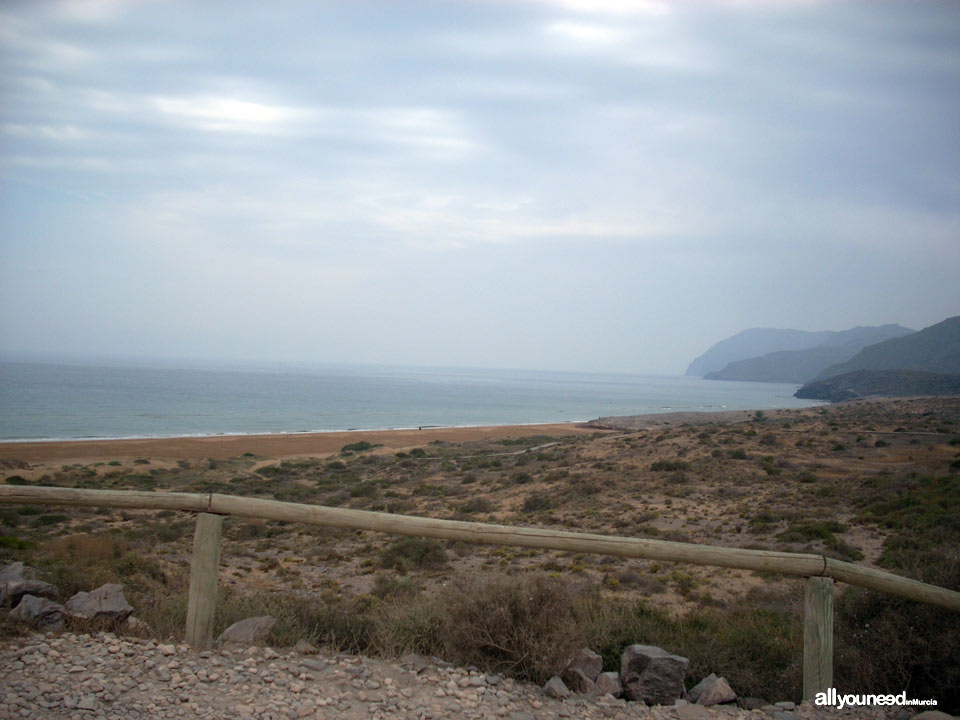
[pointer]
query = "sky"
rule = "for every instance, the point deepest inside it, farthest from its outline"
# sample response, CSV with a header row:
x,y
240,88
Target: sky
x,y
599,185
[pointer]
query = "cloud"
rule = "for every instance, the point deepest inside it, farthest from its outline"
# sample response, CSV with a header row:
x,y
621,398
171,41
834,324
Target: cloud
x,y
588,32
605,158
228,114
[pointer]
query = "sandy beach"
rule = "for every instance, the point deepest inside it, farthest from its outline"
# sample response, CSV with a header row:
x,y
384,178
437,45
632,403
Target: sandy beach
x,y
272,446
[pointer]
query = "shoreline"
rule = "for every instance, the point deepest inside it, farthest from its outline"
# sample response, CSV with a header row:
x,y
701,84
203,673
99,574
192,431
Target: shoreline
x,y
274,445
323,443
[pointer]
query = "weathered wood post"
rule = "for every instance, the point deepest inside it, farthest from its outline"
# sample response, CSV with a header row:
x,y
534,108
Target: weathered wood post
x,y
817,636
202,602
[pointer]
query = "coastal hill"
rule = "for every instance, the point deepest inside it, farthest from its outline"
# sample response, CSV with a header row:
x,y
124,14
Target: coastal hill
x,y
751,343
767,355
935,349
880,383
924,363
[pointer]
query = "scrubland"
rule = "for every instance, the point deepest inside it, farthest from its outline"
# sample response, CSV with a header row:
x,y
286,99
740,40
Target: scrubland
x,y
870,482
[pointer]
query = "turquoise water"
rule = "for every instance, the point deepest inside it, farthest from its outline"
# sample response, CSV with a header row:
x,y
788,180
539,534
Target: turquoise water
x,y
59,402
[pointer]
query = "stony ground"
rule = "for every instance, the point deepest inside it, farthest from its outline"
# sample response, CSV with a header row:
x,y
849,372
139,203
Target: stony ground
x,y
81,677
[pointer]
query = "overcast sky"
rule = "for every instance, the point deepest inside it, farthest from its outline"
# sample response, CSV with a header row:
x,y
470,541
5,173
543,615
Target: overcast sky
x,y
606,185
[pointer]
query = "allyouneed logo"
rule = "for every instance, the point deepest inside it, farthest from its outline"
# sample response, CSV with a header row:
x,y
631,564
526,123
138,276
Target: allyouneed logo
x,y
832,697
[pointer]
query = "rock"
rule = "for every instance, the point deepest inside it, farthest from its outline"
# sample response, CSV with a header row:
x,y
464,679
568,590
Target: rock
x,y
15,571
252,631
11,592
752,703
40,612
135,624
415,662
555,688
712,691
304,648
609,682
105,603
17,580
577,681
933,715
587,662
652,675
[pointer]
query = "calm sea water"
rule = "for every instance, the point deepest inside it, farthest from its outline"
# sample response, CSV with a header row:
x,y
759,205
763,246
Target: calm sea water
x,y
48,402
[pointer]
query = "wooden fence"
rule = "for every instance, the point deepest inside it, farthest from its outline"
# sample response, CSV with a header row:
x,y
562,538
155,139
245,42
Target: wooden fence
x,y
819,570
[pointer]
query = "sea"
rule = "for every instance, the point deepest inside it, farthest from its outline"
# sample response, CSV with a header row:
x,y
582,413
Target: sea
x,y
49,401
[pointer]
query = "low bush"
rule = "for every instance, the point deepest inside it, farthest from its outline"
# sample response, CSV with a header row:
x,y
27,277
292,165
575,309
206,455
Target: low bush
x,y
361,446
669,465
525,627
414,553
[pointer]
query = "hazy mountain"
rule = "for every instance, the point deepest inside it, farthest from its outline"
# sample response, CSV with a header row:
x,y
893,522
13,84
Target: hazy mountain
x,y
934,349
799,366
751,343
880,383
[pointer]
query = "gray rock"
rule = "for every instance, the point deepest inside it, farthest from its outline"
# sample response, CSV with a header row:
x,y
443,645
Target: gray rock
x,y
555,688
105,603
40,612
609,682
712,691
587,662
416,663
12,591
652,675
577,681
16,571
17,580
304,647
252,631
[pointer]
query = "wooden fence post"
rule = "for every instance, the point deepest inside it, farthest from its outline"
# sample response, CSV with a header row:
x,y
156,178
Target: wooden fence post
x,y
202,602
817,636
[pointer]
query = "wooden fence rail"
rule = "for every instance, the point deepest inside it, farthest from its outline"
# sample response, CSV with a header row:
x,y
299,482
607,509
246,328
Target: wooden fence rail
x,y
820,570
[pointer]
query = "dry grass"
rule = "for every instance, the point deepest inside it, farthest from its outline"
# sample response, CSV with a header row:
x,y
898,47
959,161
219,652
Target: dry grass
x,y
871,480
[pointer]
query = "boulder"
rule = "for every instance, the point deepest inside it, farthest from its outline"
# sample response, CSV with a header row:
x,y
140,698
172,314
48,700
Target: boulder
x,y
17,580
587,662
105,603
15,571
609,683
555,688
11,592
39,612
712,691
576,681
252,631
652,675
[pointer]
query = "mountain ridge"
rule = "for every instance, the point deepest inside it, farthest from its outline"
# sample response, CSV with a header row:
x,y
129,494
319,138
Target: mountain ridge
x,y
790,364
933,349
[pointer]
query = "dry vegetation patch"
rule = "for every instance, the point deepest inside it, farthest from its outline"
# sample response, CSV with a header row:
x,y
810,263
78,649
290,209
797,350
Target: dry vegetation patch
x,y
872,482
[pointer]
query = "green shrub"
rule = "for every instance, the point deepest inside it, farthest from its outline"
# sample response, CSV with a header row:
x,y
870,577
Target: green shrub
x,y
535,502
361,446
413,553
476,505
45,520
17,480
11,542
669,465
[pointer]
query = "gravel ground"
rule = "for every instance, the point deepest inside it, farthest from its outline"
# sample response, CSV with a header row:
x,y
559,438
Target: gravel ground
x,y
82,677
